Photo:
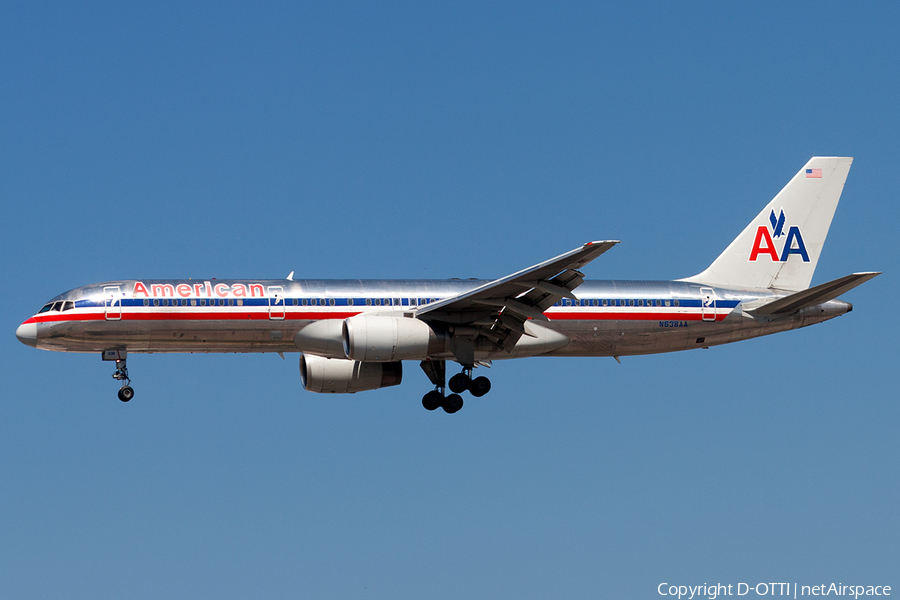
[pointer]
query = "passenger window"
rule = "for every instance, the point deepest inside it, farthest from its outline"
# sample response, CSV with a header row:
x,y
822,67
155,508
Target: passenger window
x,y
193,302
676,303
331,301
605,302
668,302
368,302
240,302
349,301
304,302
631,303
202,301
295,301
146,302
231,302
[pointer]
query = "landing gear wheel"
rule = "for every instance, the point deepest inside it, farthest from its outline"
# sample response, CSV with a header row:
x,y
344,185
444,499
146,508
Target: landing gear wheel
x,y
126,393
480,386
432,400
459,383
452,403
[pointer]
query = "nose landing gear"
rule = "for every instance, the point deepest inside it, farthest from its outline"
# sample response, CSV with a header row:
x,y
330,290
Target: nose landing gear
x,y
126,392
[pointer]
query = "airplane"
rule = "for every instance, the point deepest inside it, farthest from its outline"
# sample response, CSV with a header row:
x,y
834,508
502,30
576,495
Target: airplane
x,y
353,335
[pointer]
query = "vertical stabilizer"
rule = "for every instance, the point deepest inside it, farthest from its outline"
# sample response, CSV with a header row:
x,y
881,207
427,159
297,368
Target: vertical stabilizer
x,y
779,249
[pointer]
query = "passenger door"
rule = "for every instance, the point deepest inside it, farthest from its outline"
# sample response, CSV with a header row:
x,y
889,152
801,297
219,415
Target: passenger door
x,y
112,301
276,302
708,304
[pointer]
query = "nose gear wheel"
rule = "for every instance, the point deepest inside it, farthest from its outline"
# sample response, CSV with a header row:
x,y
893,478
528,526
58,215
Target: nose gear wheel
x,y
126,392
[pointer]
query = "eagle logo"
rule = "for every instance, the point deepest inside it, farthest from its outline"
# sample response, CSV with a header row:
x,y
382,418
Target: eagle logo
x,y
777,224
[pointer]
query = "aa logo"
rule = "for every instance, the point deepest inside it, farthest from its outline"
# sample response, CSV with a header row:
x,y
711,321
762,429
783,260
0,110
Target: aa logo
x,y
764,243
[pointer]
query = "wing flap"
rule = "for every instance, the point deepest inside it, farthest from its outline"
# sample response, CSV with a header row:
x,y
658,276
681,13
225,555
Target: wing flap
x,y
554,272
498,309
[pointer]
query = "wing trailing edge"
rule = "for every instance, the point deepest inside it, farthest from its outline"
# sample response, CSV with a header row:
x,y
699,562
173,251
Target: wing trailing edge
x,y
499,309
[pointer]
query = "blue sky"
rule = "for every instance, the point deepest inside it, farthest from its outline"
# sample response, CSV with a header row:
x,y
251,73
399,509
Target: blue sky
x,y
417,140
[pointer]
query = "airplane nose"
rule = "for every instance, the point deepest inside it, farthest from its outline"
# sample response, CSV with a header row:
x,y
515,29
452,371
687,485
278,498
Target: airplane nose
x,y
27,334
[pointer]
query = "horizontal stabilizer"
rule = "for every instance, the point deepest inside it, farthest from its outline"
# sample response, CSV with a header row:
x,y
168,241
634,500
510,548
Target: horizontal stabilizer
x,y
812,296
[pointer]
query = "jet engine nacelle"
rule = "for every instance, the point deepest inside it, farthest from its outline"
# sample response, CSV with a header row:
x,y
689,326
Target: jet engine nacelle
x,y
343,376
387,339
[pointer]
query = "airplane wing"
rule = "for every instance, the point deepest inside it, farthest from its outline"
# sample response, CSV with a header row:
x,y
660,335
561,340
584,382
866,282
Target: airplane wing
x,y
498,310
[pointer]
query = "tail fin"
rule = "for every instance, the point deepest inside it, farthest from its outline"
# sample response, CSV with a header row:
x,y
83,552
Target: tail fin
x,y
780,248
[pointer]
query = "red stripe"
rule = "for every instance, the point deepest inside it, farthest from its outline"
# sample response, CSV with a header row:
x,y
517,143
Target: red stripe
x,y
629,316
232,315
191,316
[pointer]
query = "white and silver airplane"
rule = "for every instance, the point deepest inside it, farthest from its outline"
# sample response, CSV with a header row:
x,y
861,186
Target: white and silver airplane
x,y
354,334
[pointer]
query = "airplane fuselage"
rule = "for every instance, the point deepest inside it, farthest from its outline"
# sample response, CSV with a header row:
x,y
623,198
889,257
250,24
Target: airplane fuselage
x,y
606,318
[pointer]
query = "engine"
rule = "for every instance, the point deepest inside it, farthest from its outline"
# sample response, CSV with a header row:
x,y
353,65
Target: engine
x,y
388,339
342,376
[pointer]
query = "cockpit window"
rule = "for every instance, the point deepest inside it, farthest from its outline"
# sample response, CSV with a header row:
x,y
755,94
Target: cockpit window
x,y
56,306
45,308
68,305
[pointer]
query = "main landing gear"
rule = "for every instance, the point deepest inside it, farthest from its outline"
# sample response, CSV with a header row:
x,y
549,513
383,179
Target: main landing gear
x,y
436,398
461,382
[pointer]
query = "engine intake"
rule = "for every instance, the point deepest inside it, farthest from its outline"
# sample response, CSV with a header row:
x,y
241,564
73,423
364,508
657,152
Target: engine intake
x,y
388,339
342,376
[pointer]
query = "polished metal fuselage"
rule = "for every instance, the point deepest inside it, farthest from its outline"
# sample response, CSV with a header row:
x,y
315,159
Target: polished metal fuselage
x,y
607,318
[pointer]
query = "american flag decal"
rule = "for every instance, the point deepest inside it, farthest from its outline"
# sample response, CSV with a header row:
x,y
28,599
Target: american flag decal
x,y
814,173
